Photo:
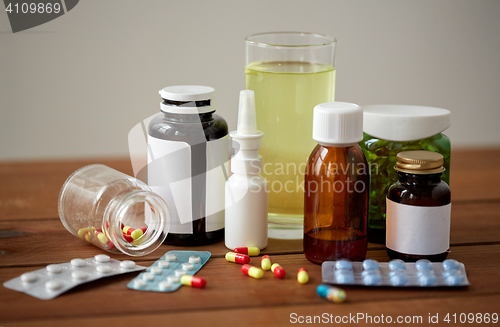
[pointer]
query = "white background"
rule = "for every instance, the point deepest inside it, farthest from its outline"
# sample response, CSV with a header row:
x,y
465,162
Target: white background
x,y
75,86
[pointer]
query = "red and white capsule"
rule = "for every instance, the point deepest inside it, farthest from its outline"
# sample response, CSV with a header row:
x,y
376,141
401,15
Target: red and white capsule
x,y
278,271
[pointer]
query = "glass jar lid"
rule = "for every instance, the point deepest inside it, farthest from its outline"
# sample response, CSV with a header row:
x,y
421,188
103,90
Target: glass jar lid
x,y
419,162
402,123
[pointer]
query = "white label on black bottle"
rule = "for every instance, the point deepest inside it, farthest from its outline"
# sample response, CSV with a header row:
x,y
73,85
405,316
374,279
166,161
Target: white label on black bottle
x,y
417,230
170,176
217,174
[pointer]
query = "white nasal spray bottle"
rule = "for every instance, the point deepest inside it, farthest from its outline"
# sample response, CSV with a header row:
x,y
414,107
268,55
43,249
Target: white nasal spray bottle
x,y
246,189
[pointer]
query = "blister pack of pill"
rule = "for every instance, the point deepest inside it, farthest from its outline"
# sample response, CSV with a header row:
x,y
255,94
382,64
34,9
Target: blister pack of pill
x,y
165,274
422,273
55,279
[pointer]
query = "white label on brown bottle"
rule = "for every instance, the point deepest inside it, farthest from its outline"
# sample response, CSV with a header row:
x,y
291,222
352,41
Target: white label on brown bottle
x,y
417,230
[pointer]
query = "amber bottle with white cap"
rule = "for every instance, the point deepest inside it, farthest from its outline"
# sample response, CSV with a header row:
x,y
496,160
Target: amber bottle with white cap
x,y
418,208
336,186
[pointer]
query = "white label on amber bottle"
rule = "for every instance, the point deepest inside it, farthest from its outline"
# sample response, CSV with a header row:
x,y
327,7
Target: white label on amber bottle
x,y
417,230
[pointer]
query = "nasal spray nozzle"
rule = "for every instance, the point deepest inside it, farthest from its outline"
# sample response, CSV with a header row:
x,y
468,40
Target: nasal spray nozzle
x,y
246,189
247,121
247,159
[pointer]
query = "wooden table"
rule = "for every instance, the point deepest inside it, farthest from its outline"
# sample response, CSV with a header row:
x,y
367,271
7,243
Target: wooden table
x,y
32,236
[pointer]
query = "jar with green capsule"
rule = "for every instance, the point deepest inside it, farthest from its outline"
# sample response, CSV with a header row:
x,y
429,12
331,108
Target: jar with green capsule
x,y
388,130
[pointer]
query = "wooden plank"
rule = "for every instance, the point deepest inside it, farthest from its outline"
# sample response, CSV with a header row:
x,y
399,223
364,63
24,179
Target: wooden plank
x,y
475,223
39,242
30,189
417,312
228,288
475,174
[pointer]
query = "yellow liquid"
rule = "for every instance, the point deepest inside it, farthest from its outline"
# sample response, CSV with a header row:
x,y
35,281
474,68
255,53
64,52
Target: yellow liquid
x,y
285,96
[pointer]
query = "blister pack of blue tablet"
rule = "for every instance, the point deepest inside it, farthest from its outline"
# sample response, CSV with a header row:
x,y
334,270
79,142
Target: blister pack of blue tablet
x,y
165,274
55,279
422,273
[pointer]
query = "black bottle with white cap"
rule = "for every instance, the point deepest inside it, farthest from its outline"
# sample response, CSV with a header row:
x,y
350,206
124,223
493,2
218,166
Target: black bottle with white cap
x,y
187,163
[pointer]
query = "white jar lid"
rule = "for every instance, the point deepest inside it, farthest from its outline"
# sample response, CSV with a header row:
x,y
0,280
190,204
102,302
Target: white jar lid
x,y
404,123
189,94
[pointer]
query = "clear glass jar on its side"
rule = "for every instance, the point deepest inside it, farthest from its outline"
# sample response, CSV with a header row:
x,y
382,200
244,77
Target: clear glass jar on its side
x,y
388,130
96,203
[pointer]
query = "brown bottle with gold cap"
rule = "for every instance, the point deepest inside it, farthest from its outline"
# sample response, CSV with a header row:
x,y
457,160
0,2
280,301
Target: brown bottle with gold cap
x,y
418,209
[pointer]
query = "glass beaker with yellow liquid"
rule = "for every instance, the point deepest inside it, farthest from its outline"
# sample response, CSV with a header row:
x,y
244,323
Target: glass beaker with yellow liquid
x,y
290,73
